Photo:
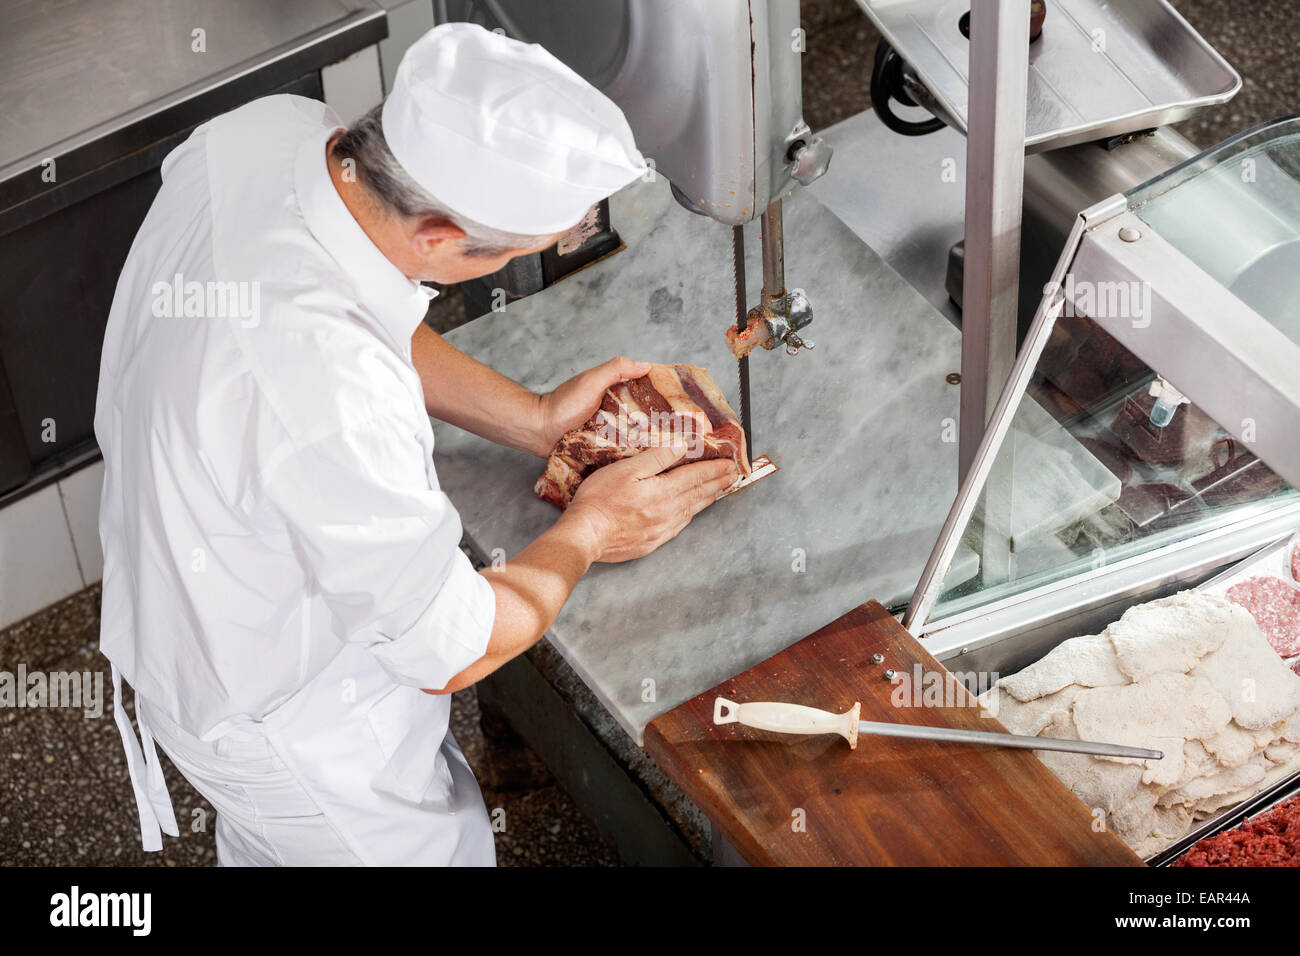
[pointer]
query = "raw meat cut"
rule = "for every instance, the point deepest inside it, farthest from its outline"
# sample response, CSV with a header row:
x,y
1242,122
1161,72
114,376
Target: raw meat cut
x,y
1166,705
670,403
1242,479
1275,606
1187,441
1258,686
1172,634
1085,364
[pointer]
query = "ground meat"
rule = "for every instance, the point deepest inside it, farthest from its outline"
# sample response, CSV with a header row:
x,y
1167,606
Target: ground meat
x,y
1270,839
1275,606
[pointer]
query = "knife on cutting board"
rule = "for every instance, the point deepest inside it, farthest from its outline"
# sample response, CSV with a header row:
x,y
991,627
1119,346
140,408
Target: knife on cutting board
x,y
798,719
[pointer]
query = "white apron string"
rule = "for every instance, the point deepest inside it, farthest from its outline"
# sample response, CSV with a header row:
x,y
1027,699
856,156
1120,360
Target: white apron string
x,y
152,801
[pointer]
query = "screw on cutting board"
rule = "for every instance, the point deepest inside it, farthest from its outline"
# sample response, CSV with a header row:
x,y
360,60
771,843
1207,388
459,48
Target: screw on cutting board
x,y
877,658
889,674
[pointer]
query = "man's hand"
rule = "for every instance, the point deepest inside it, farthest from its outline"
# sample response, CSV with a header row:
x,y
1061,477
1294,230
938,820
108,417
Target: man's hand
x,y
572,403
622,511
633,506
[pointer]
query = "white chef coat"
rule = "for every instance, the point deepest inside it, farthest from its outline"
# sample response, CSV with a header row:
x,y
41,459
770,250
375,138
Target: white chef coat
x,y
269,496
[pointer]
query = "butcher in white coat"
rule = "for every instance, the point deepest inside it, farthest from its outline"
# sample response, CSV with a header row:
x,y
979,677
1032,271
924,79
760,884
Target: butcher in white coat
x,y
283,586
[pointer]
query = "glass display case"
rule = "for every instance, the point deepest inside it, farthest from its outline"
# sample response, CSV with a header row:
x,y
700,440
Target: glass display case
x,y
1147,442
1147,437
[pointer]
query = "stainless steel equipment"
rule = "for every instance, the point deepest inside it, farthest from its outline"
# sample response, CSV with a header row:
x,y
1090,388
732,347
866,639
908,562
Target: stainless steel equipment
x,y
1075,71
712,91
1097,70
711,88
1088,496
781,313
742,320
92,97
1156,303
785,718
995,165
200,61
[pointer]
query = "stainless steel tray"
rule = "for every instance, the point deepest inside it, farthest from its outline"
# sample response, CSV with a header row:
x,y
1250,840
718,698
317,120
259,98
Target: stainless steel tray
x,y
1268,560
1264,800
1272,560
1099,69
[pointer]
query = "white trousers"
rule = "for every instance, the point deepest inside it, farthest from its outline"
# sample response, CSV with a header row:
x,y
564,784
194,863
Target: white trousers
x,y
376,781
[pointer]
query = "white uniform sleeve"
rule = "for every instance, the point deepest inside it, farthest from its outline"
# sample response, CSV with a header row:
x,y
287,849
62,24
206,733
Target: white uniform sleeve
x,y
383,547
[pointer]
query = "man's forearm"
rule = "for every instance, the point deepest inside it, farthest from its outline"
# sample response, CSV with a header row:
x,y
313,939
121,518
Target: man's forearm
x,y
530,589
464,392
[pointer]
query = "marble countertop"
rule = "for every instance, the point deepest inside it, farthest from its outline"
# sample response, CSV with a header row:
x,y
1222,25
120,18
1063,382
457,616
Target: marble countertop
x,y
861,428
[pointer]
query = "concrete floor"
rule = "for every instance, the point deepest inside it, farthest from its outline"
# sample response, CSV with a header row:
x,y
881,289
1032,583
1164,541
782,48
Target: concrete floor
x,y
64,793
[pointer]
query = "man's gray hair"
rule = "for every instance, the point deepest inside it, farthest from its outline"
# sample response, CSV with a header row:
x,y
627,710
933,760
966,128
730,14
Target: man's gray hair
x,y
389,182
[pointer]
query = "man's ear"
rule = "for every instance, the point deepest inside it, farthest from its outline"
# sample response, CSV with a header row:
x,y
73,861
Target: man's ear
x,y
432,231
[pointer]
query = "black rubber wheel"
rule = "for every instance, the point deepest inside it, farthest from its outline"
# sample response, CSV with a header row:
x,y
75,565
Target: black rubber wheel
x,y
887,85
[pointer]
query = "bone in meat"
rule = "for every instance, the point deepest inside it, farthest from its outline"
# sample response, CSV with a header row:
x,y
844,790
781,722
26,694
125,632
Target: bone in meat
x,y
670,403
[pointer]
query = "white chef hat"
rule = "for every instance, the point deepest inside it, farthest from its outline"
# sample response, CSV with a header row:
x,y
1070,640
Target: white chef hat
x,y
504,133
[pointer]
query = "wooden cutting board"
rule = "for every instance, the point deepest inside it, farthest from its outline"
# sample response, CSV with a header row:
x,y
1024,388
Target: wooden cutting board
x,y
783,800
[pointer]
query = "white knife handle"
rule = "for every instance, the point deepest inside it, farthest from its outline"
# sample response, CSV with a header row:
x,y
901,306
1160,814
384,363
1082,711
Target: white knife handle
x,y
789,718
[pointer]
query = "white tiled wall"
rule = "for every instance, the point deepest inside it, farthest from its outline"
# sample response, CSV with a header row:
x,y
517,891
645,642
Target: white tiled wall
x,y
353,85
38,564
49,544
80,493
407,22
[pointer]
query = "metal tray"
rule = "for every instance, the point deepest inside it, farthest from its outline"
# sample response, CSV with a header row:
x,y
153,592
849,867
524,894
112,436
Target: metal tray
x,y
1271,560
1099,69
1264,800
1268,560
1275,560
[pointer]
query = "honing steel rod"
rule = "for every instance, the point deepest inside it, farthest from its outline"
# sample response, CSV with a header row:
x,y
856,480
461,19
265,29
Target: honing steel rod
x,y
797,719
1021,741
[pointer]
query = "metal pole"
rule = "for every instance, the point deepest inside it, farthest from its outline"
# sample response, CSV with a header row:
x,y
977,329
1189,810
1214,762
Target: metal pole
x,y
995,163
773,251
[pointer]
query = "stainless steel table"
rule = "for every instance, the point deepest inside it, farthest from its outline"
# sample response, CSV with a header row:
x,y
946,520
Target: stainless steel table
x,y
86,83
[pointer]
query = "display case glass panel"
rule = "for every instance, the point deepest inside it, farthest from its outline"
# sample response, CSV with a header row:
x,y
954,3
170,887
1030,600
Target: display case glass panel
x,y
1084,478
1095,460
1235,212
